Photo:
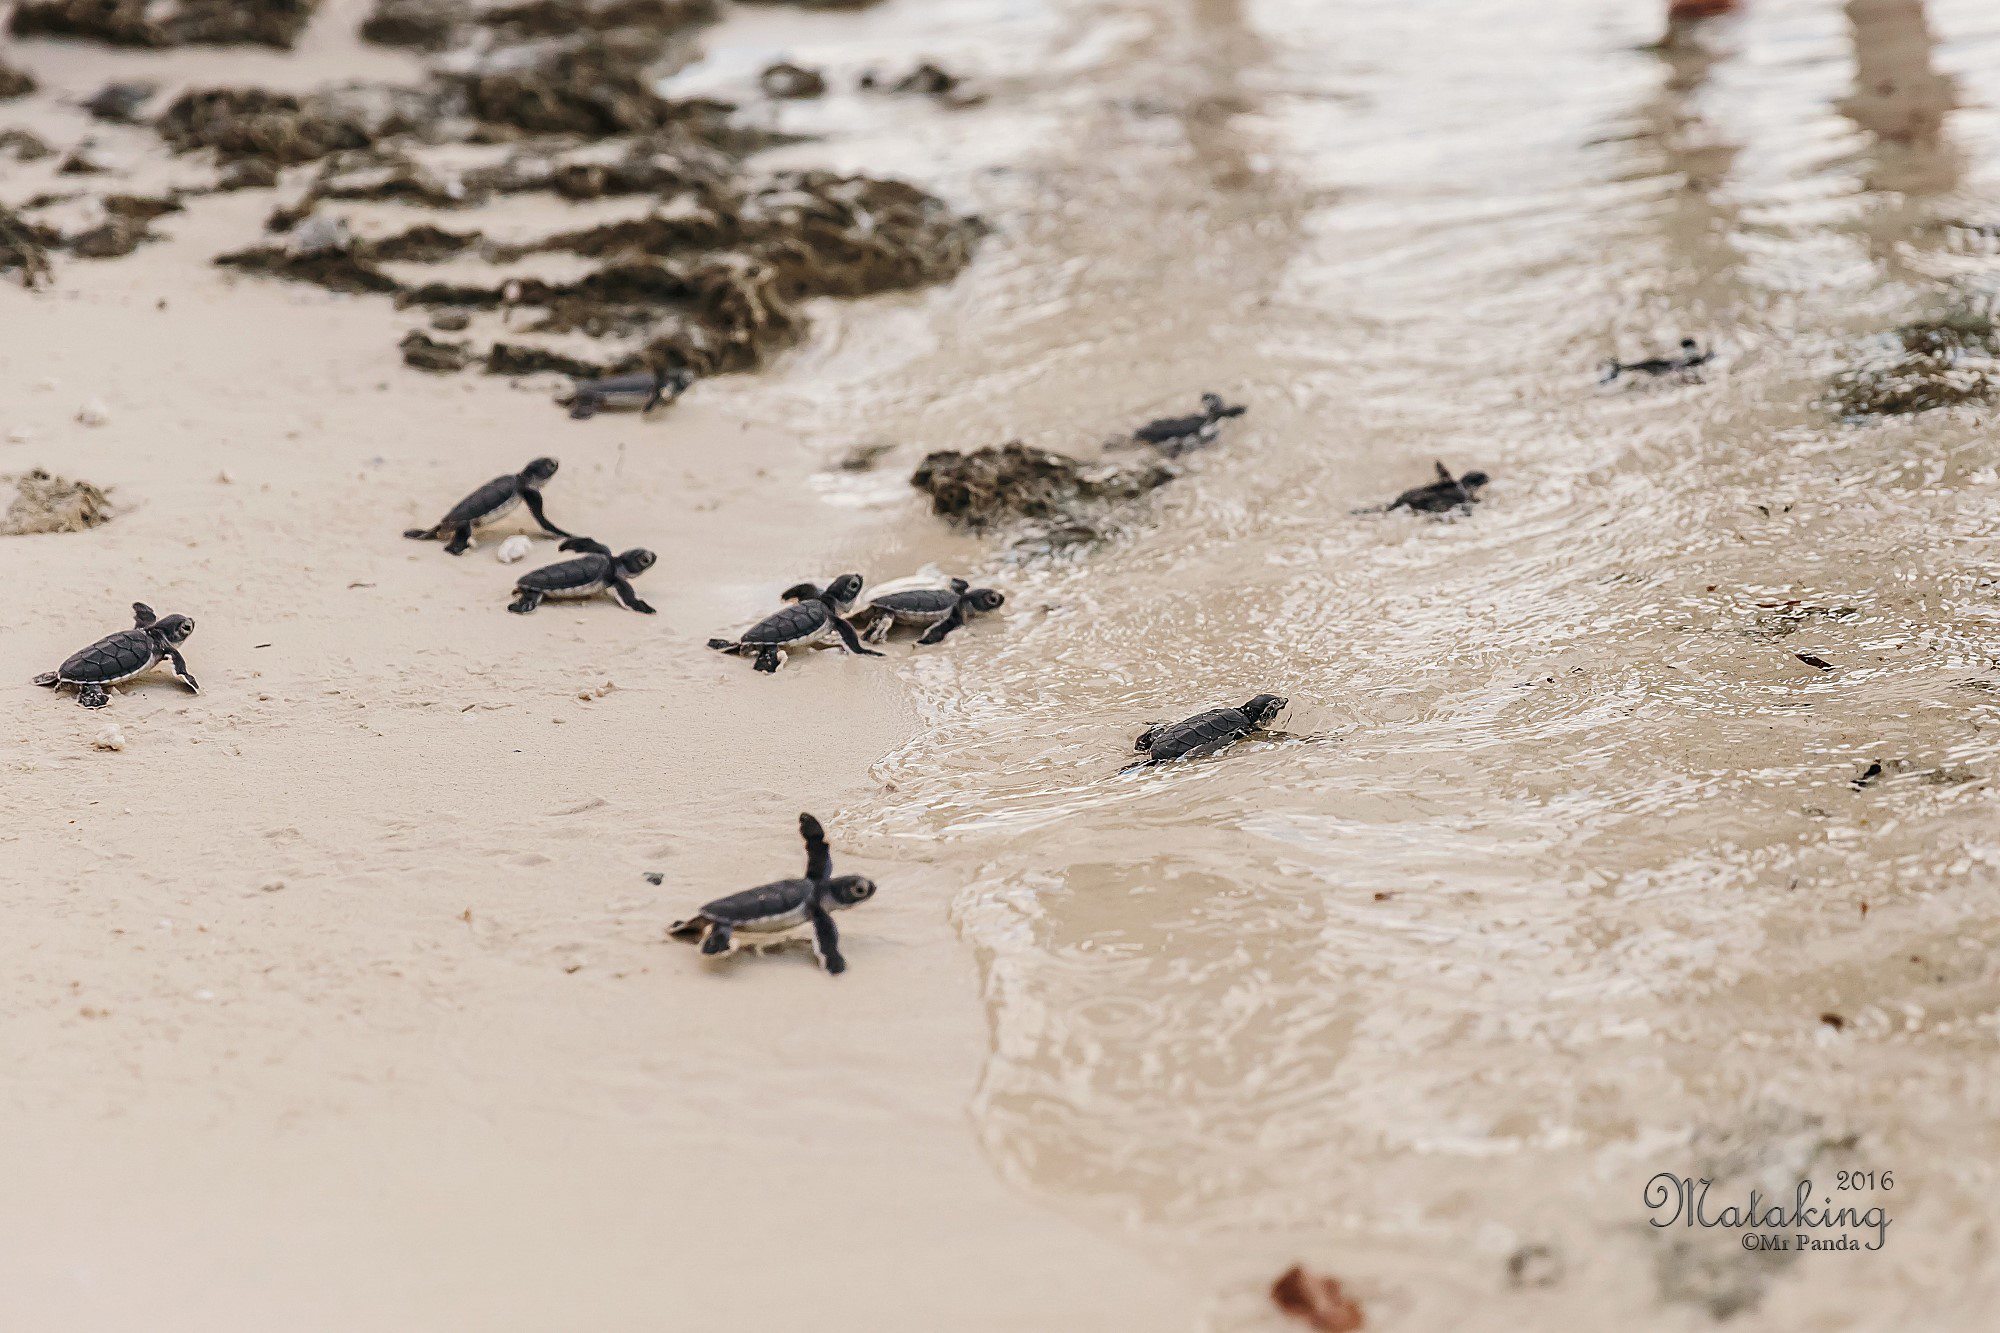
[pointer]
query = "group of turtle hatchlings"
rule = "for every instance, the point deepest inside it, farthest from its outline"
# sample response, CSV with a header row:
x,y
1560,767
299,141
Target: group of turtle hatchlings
x,y
813,616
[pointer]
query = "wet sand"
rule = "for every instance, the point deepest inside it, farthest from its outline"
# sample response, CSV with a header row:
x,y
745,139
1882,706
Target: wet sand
x,y
1555,897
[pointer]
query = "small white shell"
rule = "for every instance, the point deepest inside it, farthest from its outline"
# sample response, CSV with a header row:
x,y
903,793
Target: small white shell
x,y
109,739
514,548
93,413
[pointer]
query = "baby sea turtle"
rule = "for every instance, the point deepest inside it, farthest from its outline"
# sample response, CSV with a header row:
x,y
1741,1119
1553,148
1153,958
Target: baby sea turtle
x,y
1443,495
128,653
624,393
785,905
1174,436
815,615
492,502
1690,357
1205,733
596,571
941,609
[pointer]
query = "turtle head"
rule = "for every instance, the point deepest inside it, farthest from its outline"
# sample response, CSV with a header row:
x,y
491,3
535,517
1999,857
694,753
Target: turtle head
x,y
174,629
142,615
1472,481
847,890
538,472
985,599
637,560
1264,709
843,592
800,592
676,382
1689,344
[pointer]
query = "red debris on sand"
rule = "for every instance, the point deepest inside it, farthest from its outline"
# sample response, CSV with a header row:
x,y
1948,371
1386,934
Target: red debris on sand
x,y
1317,1300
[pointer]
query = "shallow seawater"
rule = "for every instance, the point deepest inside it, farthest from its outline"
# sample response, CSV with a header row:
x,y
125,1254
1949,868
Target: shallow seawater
x,y
1561,876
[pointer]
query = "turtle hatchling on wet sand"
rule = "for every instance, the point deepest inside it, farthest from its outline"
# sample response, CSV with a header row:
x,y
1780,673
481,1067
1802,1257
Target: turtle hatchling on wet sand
x,y
1174,436
940,610
1691,357
772,909
816,615
625,393
595,571
1440,497
122,656
491,503
1205,733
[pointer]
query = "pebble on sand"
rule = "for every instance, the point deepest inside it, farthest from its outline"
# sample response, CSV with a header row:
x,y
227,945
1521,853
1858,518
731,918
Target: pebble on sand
x,y
109,739
514,548
93,413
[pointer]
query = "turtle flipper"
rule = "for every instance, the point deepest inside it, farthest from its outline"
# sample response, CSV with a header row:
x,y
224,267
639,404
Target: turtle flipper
x,y
690,929
1444,474
461,540
526,602
421,534
1145,739
533,499
92,695
583,406
878,628
826,941
629,599
770,659
181,671
849,641
936,633
715,938
590,544
819,857
47,680
726,646
142,615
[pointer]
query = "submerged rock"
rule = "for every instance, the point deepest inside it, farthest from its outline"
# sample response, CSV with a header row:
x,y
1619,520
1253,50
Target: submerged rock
x,y
1935,363
787,81
24,247
47,503
1017,481
172,23
120,102
285,129
427,353
116,236
15,82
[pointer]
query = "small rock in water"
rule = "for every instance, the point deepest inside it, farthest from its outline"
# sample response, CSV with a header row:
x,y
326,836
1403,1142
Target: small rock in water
x,y
514,548
786,80
93,413
110,738
120,102
318,234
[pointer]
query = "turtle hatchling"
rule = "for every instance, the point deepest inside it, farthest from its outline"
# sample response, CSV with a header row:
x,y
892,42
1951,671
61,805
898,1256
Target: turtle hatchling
x,y
1441,496
939,610
1205,733
122,656
771,909
1691,357
626,393
491,503
596,570
1174,436
816,614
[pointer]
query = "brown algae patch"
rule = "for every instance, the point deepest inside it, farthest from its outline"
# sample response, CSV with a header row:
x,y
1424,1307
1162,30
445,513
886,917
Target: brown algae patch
x,y
1943,362
1016,481
172,23
44,502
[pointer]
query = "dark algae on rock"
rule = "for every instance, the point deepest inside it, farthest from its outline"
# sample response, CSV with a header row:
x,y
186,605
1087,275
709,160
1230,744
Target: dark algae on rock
x,y
1943,362
162,23
1017,481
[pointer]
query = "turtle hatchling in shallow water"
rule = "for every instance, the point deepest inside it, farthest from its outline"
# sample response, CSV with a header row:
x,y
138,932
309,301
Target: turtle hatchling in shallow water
x,y
627,393
1443,495
772,909
939,610
595,571
1174,436
1692,356
816,615
1205,733
122,656
491,503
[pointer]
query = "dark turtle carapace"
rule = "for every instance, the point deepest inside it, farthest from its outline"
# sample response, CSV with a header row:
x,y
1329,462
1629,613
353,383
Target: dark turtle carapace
x,y
815,615
492,502
1174,436
641,392
128,653
938,610
1443,495
771,909
1205,733
597,570
1690,357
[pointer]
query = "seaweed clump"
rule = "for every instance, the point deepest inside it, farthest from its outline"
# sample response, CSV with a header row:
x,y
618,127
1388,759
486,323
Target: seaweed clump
x,y
1017,481
275,23
47,503
24,247
285,130
1936,363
